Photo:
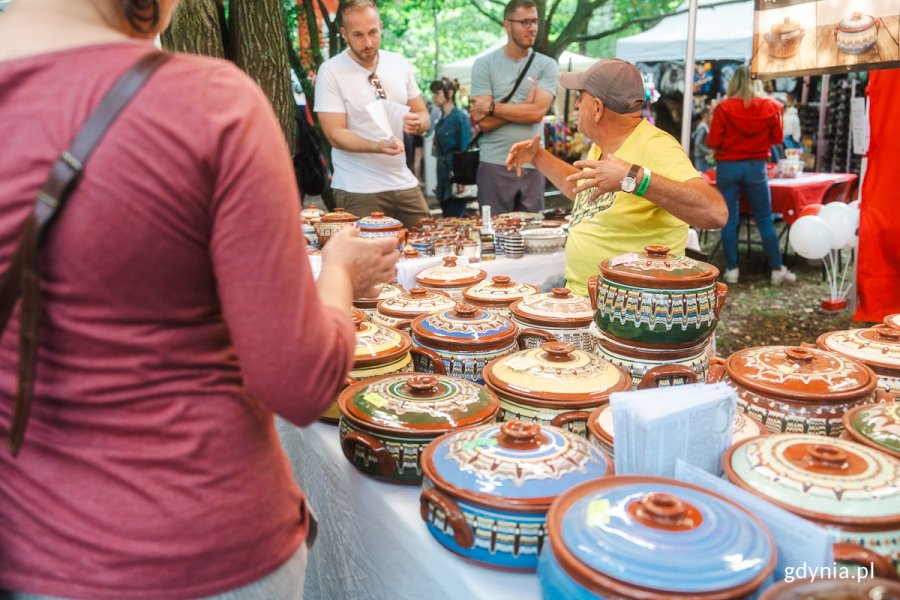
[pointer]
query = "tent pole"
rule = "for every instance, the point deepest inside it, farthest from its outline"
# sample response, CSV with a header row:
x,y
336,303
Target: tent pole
x,y
687,111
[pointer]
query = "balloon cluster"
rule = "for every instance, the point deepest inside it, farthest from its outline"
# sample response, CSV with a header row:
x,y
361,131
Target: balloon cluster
x,y
823,228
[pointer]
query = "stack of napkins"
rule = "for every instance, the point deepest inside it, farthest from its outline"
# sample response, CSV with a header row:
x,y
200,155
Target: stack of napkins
x,y
654,428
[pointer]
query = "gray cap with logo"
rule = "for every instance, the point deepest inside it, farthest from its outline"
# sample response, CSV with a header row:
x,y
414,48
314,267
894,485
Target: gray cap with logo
x,y
615,82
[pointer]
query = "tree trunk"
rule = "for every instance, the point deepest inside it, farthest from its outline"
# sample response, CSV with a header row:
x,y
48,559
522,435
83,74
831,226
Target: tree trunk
x,y
259,48
196,28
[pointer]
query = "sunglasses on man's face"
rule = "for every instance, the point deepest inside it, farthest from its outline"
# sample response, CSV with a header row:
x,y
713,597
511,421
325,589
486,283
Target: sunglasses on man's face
x,y
380,94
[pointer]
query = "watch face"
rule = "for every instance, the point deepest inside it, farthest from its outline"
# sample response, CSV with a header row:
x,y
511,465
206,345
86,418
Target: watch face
x,y
628,184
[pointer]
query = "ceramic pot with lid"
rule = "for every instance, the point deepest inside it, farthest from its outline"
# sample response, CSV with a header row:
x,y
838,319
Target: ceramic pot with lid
x,y
369,306
498,294
876,426
797,390
874,588
387,421
654,299
638,362
450,278
311,213
784,38
330,223
555,384
560,313
651,538
378,225
467,338
878,347
487,489
838,484
857,33
892,321
399,311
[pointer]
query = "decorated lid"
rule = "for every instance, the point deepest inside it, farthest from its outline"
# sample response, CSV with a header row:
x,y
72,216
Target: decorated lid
x,y
856,23
339,215
878,347
311,212
556,374
800,373
833,481
415,302
376,345
498,291
869,588
656,268
417,404
875,425
601,424
517,465
409,253
387,290
378,222
892,321
558,308
450,275
465,326
627,532
786,27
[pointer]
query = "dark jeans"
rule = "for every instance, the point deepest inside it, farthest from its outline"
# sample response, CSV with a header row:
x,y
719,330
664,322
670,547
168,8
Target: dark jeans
x,y
732,176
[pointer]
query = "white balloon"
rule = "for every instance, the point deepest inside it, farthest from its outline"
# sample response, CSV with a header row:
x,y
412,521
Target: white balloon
x,y
854,205
811,237
841,221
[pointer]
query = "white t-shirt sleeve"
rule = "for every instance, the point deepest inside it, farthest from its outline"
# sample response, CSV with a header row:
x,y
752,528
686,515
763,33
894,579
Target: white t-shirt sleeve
x,y
328,93
412,88
481,78
549,75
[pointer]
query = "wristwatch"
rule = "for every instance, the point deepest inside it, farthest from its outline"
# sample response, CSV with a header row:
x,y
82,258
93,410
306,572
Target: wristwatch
x,y
629,182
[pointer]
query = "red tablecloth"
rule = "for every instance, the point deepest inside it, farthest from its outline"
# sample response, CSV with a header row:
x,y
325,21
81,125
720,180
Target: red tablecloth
x,y
790,195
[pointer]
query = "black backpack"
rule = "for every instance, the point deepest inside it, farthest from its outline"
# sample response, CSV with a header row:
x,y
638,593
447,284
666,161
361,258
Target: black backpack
x,y
309,163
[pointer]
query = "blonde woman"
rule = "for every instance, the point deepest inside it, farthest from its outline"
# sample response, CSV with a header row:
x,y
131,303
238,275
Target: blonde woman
x,y
743,130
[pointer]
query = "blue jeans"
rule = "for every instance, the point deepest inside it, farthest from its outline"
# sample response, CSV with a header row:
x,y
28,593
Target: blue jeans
x,y
732,176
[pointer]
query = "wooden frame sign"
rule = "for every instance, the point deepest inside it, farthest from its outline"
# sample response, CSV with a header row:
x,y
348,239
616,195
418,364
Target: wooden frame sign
x,y
805,37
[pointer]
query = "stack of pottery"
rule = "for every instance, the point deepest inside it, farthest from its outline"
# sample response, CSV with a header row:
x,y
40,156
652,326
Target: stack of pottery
x,y
387,421
560,313
399,311
838,484
487,489
311,215
378,225
369,306
330,223
467,338
450,278
651,538
655,308
878,347
497,294
797,390
553,385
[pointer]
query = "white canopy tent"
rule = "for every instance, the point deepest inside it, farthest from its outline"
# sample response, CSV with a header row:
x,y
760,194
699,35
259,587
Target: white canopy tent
x,y
723,32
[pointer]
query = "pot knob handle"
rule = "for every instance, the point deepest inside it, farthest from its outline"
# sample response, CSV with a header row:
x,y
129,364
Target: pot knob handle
x,y
501,280
418,292
665,511
521,435
558,351
801,355
656,251
561,292
828,456
422,384
464,311
450,261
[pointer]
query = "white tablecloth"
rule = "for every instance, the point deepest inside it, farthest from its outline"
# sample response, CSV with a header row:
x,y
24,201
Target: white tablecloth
x,y
372,542
531,268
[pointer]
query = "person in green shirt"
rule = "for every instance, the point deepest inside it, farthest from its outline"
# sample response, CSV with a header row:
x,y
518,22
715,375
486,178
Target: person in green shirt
x,y
637,187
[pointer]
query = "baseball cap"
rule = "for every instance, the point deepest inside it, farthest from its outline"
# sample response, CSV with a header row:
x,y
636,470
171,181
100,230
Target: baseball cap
x,y
617,83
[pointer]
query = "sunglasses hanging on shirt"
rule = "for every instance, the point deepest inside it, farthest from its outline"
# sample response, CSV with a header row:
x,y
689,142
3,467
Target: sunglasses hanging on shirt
x,y
380,94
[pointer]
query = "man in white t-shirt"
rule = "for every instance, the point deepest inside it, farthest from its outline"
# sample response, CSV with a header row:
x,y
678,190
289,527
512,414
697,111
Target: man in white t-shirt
x,y
370,172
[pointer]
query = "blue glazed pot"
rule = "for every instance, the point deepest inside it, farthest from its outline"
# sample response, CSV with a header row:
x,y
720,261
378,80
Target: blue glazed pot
x,y
486,489
654,539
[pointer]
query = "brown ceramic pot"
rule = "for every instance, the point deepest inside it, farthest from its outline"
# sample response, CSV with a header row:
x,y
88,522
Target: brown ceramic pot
x,y
399,311
330,223
498,294
876,426
450,278
784,38
834,589
370,305
878,347
560,313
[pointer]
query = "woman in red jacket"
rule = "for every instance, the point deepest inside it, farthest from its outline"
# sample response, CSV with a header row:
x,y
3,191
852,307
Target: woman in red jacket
x,y
744,127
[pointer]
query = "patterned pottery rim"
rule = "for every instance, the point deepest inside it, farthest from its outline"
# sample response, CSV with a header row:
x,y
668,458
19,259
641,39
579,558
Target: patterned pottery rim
x,y
379,404
477,329
388,290
834,461
377,222
892,320
595,424
613,345
832,588
525,310
537,377
450,275
889,411
374,351
656,268
339,215
408,304
511,447
807,374
878,347
499,293
667,510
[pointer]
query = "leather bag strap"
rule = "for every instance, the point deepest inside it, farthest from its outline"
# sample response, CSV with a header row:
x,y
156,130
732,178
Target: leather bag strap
x,y
22,279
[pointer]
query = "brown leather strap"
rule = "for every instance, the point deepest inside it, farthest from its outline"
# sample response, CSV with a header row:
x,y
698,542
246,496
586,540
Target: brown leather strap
x,y
23,276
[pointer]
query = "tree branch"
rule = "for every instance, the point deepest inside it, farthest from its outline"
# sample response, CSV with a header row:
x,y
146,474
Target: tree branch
x,y
485,12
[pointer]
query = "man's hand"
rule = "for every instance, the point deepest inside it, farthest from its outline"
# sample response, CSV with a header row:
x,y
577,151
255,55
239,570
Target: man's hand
x,y
367,262
392,147
412,123
521,153
479,106
603,175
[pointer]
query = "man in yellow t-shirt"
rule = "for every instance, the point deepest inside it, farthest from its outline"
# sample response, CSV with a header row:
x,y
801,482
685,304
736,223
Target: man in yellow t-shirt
x,y
636,188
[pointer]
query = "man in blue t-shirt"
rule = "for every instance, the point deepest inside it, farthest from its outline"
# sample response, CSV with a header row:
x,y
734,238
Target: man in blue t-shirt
x,y
504,123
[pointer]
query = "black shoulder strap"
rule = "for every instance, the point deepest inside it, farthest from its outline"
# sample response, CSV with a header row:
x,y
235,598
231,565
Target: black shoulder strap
x,y
509,96
22,279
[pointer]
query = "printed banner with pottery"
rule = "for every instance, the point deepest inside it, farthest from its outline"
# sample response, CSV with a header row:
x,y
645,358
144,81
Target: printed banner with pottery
x,y
803,37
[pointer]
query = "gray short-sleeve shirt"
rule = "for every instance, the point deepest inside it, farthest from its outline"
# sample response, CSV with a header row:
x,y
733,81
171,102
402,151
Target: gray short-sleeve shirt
x,y
495,75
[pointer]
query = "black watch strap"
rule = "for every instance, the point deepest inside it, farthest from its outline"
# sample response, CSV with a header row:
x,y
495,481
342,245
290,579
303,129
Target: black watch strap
x,y
633,171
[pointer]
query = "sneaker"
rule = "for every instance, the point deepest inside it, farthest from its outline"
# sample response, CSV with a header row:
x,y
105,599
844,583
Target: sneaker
x,y
783,276
731,275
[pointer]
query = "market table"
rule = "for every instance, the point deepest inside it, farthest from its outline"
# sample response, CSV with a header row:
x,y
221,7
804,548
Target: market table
x,y
372,543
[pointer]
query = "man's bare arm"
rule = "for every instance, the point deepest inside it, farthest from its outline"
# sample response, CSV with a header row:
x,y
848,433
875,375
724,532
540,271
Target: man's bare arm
x,y
334,126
